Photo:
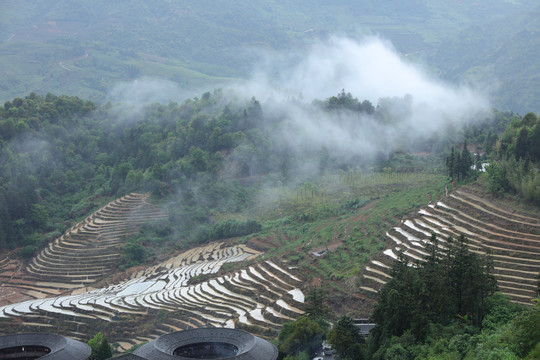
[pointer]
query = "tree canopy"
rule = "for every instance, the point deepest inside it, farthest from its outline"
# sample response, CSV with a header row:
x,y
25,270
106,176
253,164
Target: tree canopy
x,y
453,287
516,159
101,349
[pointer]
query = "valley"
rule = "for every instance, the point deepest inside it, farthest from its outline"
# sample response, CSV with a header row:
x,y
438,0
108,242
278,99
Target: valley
x,y
354,172
72,286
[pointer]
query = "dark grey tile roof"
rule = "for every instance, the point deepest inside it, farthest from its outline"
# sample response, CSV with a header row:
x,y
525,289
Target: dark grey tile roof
x,y
250,347
128,357
62,348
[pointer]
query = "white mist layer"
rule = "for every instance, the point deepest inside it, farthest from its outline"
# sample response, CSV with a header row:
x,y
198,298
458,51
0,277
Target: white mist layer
x,y
370,69
131,97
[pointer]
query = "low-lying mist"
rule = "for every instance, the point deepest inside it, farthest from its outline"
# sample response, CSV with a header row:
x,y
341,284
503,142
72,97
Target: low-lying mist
x,y
412,105
338,104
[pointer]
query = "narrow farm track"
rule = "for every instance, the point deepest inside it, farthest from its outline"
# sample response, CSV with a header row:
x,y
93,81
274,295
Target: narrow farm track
x,y
259,297
511,237
85,253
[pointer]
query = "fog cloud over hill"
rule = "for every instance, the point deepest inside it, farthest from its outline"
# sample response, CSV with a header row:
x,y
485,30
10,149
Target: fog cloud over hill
x,y
131,97
369,68
413,104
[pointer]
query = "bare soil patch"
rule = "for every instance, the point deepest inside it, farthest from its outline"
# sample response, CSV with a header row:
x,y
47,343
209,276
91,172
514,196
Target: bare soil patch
x,y
331,247
261,244
10,295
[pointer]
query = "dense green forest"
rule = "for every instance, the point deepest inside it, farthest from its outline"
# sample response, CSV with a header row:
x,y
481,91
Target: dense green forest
x,y
63,156
516,160
511,159
444,308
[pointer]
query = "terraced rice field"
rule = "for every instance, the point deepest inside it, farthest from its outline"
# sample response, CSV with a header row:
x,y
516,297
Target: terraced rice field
x,y
60,281
85,253
260,297
513,238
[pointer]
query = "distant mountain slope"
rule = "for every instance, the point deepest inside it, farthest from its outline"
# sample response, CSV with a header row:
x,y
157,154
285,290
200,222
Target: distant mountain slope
x,y
86,48
502,55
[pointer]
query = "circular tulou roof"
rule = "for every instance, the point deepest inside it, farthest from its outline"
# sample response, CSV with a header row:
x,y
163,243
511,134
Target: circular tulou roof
x,y
62,348
249,347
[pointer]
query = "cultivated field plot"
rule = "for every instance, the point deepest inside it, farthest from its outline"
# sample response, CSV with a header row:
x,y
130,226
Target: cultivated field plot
x,y
513,238
259,297
84,253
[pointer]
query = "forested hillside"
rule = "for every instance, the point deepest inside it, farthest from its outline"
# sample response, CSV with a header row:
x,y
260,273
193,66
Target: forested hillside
x,y
516,160
86,49
62,156
498,55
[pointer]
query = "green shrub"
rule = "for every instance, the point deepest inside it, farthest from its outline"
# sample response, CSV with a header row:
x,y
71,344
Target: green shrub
x,y
134,254
227,229
28,251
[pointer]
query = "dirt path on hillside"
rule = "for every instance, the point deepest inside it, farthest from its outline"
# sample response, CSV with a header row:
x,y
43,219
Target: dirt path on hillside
x,y
75,59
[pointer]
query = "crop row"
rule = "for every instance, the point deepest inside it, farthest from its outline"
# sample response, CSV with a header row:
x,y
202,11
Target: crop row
x,y
512,239
262,295
87,251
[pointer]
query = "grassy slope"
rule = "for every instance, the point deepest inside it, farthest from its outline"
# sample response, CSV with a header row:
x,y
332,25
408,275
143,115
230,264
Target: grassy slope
x,y
302,221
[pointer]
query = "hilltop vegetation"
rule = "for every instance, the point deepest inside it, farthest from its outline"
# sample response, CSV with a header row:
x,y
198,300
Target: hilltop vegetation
x,y
63,156
60,158
516,160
